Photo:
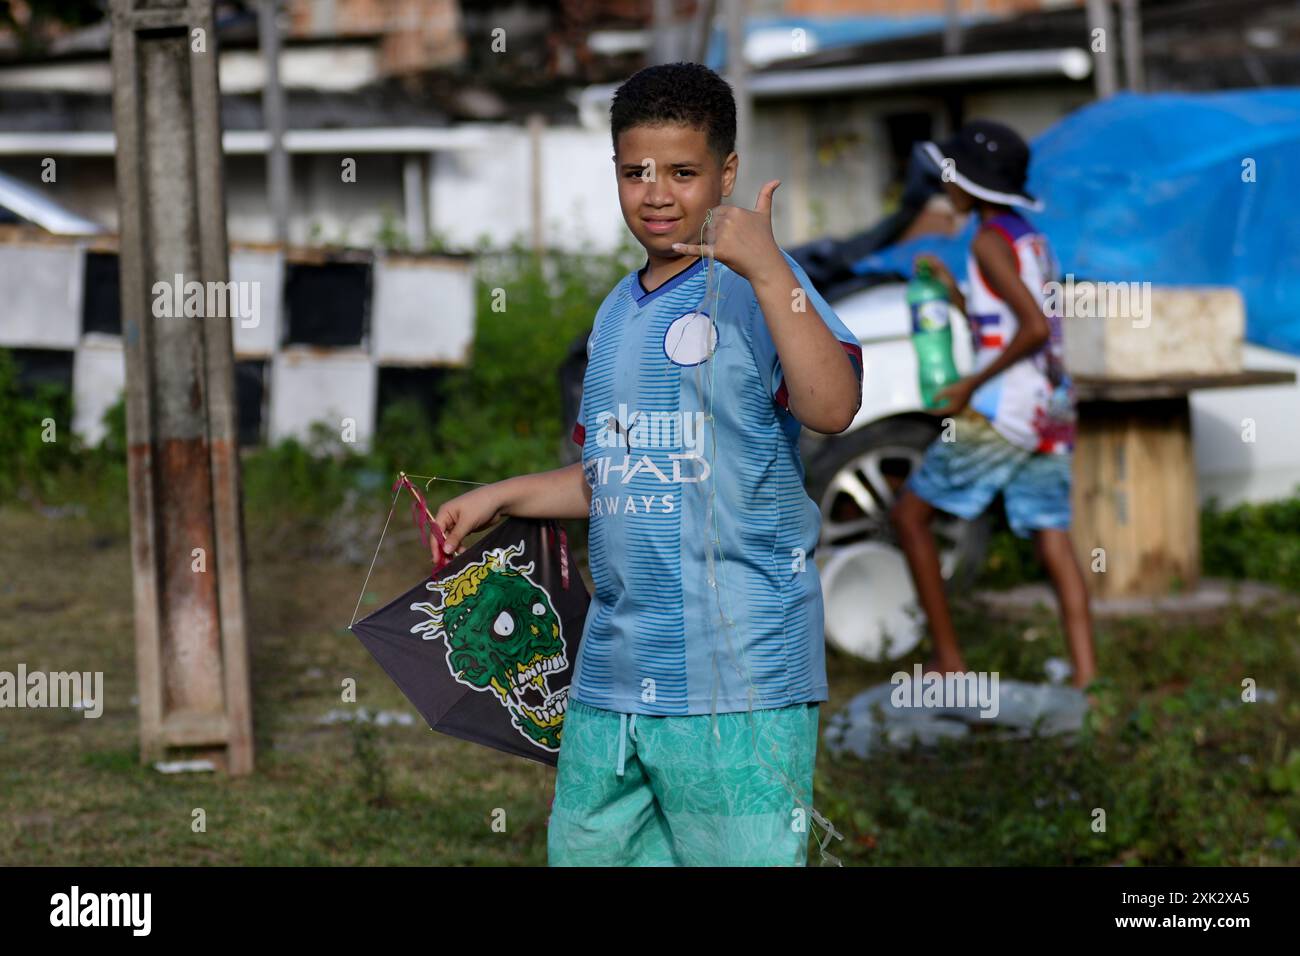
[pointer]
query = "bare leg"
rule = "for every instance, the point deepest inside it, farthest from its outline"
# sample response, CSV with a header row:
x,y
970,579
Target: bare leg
x,y
911,518
1057,554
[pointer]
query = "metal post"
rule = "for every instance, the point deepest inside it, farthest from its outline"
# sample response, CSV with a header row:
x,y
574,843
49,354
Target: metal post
x,y
183,466
277,160
662,50
413,199
1131,27
704,29
1103,60
738,77
952,28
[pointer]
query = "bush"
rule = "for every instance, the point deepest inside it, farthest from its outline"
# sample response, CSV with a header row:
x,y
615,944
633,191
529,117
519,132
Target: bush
x,y
1259,542
36,442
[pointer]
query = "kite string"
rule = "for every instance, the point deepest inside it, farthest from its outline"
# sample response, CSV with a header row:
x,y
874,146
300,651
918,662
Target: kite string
x,y
741,664
433,478
366,583
397,491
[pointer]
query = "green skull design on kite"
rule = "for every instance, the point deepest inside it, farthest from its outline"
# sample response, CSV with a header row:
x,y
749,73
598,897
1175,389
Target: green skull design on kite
x,y
502,633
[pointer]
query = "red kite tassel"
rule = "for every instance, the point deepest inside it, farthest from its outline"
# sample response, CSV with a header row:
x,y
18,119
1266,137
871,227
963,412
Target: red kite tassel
x,y
430,532
564,550
564,558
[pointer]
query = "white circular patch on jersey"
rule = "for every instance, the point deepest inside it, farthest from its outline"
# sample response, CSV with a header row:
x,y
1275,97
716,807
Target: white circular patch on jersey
x,y
690,339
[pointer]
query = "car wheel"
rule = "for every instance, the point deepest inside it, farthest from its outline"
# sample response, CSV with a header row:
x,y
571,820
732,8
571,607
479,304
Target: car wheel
x,y
855,479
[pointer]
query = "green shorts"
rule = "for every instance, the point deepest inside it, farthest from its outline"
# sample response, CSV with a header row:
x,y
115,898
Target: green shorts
x,y
639,790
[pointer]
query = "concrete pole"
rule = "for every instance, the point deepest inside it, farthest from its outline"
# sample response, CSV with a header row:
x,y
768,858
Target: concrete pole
x,y
273,116
183,465
537,209
413,199
738,77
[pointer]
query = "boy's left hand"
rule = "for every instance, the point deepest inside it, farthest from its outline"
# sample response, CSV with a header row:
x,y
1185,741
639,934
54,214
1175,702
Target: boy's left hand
x,y
742,238
958,395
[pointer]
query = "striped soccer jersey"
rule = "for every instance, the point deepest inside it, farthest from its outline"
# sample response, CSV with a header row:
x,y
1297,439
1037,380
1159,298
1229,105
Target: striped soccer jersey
x,y
657,638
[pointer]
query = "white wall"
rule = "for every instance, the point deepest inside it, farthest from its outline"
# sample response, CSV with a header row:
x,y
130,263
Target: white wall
x,y
42,296
98,380
1232,468
311,385
488,191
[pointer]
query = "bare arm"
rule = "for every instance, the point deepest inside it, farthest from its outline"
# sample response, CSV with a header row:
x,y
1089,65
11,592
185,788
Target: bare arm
x,y
824,393
819,376
560,493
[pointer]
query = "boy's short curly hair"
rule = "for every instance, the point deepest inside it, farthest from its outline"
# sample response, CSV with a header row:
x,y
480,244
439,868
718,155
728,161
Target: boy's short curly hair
x,y
687,93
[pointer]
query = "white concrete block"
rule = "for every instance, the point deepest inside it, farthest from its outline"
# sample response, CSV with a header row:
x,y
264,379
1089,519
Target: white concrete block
x,y
1139,331
264,270
1245,438
42,296
322,385
423,311
98,381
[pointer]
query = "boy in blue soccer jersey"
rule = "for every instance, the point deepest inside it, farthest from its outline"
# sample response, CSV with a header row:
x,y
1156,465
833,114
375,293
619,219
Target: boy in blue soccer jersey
x,y
691,730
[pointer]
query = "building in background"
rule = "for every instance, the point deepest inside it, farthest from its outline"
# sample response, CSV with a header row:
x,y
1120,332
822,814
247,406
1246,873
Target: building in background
x,y
488,122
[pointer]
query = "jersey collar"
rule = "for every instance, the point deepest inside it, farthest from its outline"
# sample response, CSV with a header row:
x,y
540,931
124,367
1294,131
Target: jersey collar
x,y
642,297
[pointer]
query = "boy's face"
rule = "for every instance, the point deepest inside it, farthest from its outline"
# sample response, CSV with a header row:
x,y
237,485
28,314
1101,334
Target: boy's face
x,y
961,200
668,180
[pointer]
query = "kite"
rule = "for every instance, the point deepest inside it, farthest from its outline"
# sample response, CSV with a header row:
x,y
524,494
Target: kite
x,y
485,646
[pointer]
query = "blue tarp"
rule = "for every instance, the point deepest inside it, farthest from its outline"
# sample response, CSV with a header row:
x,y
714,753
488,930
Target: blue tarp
x,y
1156,188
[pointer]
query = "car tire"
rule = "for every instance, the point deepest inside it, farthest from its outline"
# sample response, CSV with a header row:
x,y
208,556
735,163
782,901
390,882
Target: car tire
x,y
854,479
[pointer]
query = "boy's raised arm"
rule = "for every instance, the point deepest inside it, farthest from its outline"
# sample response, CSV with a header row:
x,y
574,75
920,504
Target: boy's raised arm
x,y
824,390
560,493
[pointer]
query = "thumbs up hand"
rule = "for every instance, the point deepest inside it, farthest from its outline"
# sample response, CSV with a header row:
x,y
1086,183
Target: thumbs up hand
x,y
741,239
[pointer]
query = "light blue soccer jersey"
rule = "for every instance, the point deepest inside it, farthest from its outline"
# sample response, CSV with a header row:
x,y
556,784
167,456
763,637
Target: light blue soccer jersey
x,y
655,641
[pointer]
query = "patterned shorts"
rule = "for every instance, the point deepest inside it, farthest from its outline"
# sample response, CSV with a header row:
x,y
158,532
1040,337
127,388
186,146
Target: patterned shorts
x,y
962,477
639,790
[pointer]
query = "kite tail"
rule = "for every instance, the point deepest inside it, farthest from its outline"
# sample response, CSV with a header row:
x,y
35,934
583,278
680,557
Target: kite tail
x,y
430,532
564,549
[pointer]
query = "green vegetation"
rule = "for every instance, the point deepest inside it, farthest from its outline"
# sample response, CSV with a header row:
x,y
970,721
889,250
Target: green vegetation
x,y
1184,770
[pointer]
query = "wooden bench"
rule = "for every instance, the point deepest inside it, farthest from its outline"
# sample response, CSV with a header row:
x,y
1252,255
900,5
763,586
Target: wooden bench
x,y
1136,512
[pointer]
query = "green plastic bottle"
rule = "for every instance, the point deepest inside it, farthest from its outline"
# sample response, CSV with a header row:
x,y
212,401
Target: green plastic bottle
x,y
931,333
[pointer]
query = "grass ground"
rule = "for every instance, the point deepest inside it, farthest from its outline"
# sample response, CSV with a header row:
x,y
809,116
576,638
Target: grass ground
x,y
1184,771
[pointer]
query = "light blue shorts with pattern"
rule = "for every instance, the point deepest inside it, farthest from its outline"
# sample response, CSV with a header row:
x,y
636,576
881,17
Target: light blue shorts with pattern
x,y
640,790
962,477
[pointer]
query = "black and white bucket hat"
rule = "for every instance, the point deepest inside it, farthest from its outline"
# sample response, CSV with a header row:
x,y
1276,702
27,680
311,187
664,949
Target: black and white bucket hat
x,y
989,160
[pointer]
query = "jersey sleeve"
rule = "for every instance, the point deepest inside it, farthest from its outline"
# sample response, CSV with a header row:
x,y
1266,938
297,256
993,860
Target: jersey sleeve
x,y
769,362
579,433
